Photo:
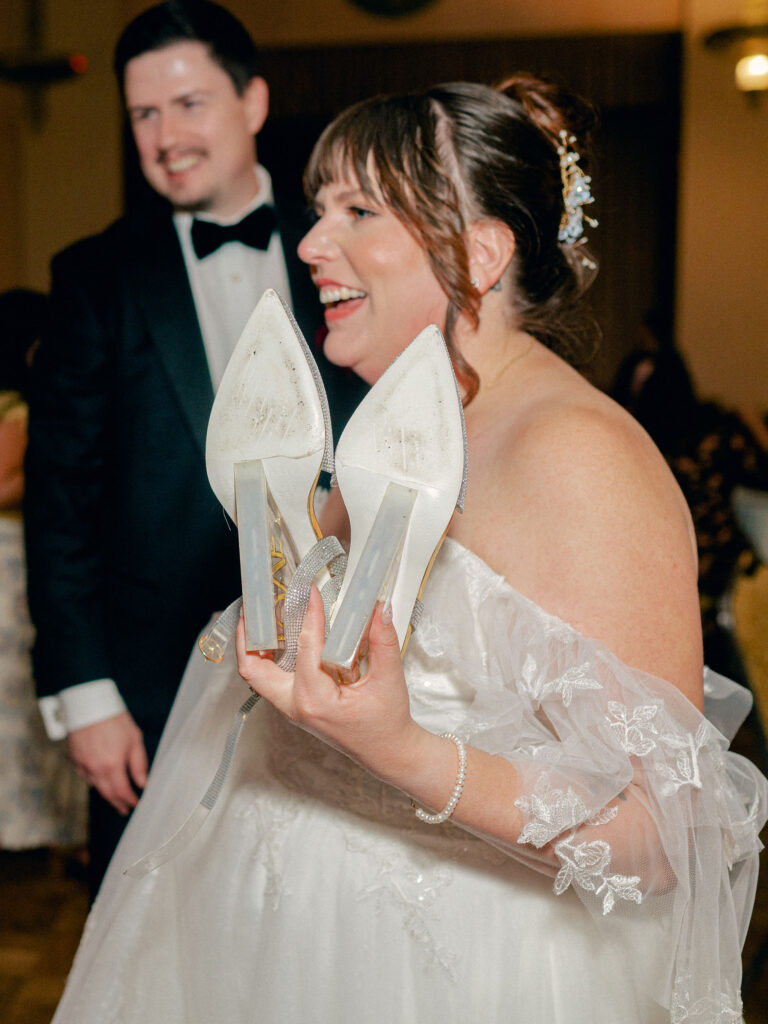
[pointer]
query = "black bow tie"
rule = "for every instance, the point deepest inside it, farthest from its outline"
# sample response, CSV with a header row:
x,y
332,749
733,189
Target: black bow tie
x,y
255,230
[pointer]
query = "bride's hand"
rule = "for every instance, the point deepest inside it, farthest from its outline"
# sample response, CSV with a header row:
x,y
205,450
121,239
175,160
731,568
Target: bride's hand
x,y
370,720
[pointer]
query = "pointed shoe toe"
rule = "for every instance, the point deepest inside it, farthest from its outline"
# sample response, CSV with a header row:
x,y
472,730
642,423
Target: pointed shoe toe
x,y
268,438
401,468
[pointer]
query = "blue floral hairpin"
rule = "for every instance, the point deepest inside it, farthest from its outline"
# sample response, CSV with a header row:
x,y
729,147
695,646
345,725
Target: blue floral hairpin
x,y
577,193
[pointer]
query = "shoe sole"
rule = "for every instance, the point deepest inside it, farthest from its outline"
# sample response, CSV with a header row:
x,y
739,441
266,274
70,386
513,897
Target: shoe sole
x,y
401,470
268,439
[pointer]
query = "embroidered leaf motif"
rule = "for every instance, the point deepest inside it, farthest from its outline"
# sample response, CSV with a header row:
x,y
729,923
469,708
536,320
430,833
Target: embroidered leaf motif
x,y
563,880
625,887
552,810
603,817
634,730
587,860
585,864
684,771
564,686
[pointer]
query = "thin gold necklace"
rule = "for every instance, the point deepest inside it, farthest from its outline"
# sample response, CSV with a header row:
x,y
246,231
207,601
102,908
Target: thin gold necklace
x,y
519,355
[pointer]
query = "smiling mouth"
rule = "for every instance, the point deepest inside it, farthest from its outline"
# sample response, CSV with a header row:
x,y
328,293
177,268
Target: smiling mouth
x,y
335,295
182,163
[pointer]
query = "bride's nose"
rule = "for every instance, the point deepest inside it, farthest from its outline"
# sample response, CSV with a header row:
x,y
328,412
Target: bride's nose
x,y
317,245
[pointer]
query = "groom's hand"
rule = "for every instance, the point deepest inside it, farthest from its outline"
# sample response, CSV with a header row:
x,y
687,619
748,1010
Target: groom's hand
x,y
110,756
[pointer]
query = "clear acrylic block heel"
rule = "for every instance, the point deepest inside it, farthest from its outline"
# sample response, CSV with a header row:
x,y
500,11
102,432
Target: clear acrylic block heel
x,y
371,579
268,558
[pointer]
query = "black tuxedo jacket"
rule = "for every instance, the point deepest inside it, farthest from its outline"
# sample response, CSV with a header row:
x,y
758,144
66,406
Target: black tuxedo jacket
x,y
128,550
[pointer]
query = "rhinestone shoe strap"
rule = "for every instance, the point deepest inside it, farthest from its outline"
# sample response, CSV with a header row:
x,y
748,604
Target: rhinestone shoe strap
x,y
327,552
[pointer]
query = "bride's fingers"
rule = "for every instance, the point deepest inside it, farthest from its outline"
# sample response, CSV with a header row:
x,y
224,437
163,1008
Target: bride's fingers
x,y
309,672
383,646
312,635
253,666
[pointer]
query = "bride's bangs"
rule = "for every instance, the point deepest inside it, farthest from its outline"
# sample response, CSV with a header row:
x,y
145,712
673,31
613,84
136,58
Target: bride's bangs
x,y
341,153
375,144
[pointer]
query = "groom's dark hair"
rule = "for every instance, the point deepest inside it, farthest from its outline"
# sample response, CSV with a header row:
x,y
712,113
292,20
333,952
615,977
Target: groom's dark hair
x,y
191,21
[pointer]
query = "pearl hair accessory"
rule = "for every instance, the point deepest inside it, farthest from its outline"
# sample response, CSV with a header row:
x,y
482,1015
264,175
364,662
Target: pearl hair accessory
x,y
577,193
450,807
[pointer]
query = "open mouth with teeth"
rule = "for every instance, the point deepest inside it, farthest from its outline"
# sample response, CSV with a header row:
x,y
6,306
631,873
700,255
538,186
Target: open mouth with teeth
x,y
334,296
182,163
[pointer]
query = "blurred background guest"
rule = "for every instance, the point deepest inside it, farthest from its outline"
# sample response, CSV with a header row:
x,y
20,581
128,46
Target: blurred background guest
x,y
42,801
714,452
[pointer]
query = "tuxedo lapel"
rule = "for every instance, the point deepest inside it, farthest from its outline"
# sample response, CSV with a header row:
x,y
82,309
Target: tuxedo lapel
x,y
284,146
165,297
293,224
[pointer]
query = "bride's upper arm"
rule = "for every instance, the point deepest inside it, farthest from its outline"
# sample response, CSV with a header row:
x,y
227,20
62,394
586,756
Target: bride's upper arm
x,y
597,532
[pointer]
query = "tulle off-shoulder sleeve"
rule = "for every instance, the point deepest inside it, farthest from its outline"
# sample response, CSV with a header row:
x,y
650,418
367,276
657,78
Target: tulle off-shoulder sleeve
x,y
629,795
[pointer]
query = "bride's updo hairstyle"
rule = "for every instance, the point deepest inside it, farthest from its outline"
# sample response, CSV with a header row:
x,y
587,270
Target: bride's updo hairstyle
x,y
461,152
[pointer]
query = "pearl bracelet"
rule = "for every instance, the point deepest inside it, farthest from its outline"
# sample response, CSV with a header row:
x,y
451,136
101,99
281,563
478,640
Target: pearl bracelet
x,y
450,807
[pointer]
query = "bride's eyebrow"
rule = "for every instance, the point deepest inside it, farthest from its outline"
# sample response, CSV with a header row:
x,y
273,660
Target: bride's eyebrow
x,y
355,195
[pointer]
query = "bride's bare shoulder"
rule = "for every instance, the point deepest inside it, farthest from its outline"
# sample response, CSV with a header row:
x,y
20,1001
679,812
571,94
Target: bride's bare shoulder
x,y
574,504
575,429
562,437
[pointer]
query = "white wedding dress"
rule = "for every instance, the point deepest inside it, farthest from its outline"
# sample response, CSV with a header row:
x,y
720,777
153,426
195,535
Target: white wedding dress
x,y
313,895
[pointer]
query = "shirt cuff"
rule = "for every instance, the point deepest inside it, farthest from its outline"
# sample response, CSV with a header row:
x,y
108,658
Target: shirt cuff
x,y
80,705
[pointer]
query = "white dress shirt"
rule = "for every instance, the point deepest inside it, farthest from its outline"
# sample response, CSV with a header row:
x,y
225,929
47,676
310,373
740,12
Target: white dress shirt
x,y
226,285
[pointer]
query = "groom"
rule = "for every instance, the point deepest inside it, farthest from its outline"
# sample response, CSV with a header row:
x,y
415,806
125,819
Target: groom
x,y
128,549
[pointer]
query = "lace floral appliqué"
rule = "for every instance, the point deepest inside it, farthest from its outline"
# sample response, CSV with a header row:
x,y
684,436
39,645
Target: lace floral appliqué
x,y
716,1008
684,747
637,734
412,883
634,730
571,681
586,865
552,811
583,864
266,822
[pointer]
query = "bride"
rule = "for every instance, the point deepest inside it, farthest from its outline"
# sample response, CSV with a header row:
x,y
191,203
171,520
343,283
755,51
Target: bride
x,y
584,847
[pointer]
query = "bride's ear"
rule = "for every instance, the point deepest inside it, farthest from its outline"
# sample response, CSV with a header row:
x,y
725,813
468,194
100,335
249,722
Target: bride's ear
x,y
490,247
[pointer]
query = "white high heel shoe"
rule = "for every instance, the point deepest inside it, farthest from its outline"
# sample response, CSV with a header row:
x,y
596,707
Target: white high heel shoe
x,y
269,436
401,467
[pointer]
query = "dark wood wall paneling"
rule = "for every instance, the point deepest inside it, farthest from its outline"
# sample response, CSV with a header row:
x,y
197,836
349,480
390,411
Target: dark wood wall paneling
x,y
614,71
